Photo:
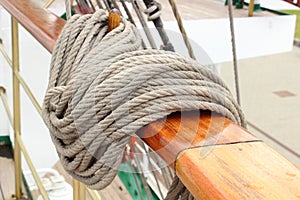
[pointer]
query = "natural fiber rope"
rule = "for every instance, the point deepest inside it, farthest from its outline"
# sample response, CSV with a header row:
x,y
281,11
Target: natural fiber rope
x,y
103,88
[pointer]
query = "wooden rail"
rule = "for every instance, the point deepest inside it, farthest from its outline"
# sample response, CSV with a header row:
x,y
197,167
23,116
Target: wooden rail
x,y
215,158
41,23
297,3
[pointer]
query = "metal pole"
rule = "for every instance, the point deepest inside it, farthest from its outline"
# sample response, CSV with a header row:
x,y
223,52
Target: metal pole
x,y
5,104
49,3
251,8
68,4
78,190
94,194
32,168
82,191
75,190
17,110
22,81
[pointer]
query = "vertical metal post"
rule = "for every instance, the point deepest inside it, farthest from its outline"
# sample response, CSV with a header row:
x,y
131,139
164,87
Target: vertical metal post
x,y
17,110
82,190
251,8
75,190
68,4
79,190
49,3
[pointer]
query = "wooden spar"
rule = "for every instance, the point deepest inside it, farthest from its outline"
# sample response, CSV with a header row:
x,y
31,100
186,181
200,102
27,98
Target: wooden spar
x,y
215,158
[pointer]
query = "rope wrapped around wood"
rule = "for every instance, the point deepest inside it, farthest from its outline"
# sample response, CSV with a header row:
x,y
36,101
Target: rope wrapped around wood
x,y
103,88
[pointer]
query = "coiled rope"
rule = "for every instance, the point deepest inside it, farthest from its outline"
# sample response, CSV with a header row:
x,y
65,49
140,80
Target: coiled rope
x,y
103,88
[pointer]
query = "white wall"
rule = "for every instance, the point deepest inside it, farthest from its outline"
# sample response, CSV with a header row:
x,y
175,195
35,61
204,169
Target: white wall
x,y
5,75
255,36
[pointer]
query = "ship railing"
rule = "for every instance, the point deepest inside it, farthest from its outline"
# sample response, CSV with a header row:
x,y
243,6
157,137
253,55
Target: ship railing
x,y
15,121
213,157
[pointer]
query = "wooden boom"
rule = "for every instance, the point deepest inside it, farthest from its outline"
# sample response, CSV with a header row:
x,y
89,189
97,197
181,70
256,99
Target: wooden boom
x,y
215,158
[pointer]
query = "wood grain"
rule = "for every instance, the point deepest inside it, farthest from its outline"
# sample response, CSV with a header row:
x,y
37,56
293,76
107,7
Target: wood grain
x,y
7,180
184,130
41,23
238,172
234,164
114,19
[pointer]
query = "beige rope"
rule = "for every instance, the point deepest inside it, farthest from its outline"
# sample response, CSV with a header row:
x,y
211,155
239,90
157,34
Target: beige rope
x,y
103,88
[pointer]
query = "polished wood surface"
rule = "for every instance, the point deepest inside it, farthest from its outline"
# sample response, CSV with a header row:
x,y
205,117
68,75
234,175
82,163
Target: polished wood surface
x,y
215,158
184,130
218,160
238,172
41,23
114,19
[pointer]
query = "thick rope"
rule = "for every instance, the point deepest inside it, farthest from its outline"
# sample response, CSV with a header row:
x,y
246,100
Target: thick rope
x,y
103,88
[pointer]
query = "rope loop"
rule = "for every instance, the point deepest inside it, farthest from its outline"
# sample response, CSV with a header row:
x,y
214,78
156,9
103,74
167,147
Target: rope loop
x,y
103,88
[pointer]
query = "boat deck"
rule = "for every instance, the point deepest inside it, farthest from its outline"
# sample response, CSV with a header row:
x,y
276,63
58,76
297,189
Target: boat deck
x,y
205,9
189,10
7,170
269,88
116,190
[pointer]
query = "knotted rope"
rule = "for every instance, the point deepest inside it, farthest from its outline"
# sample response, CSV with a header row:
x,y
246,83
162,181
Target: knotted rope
x,y
103,88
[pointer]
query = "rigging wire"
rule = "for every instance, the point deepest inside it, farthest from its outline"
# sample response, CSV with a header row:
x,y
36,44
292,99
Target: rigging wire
x,y
68,4
139,192
137,9
152,170
141,171
182,29
235,67
153,11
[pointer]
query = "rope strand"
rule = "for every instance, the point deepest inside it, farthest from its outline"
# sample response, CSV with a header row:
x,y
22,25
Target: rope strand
x,y
103,88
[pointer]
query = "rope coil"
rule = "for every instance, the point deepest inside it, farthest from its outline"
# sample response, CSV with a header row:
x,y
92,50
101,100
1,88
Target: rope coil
x,y
103,88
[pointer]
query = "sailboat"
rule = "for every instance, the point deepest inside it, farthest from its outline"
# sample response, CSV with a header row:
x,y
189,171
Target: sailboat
x,y
207,26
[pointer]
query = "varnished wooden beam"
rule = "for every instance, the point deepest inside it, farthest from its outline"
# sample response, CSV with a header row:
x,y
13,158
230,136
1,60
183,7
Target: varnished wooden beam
x,y
215,158
41,23
180,131
218,160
